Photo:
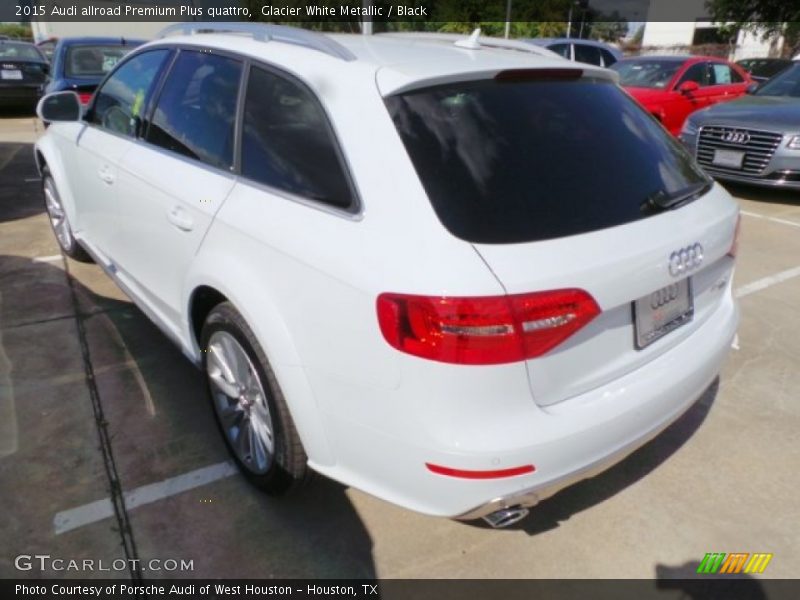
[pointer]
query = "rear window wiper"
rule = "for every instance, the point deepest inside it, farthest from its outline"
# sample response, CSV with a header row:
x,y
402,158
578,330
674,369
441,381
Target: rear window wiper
x,y
661,200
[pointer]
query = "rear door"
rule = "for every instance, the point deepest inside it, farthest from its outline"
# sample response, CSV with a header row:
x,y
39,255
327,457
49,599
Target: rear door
x,y
576,188
173,182
725,83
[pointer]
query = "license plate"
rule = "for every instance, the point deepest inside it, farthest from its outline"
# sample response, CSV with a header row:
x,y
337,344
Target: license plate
x,y
728,158
10,74
663,311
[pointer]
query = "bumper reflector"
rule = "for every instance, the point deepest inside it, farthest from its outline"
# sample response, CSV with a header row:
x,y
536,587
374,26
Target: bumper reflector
x,y
500,473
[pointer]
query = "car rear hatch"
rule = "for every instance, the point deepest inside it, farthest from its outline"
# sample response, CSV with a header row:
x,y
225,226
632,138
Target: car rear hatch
x,y
626,269
562,182
22,72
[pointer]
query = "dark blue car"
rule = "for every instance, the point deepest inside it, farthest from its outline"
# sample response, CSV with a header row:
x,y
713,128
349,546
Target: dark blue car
x,y
80,63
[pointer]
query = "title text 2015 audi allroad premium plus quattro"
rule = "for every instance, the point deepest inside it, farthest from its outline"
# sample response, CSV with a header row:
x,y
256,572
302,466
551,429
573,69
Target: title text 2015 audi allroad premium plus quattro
x,y
453,275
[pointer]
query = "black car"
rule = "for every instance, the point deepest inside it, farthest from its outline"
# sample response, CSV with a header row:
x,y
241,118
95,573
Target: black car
x,y
23,70
761,69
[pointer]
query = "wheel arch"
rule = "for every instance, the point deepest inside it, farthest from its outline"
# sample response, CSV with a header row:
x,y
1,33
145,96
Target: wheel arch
x,y
46,157
275,339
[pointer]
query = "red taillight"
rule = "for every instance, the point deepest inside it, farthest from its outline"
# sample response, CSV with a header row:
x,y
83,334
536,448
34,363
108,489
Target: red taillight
x,y
485,330
84,97
734,249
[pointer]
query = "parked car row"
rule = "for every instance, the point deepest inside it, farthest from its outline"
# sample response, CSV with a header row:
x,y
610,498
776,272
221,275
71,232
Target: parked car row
x,y
755,139
673,87
27,70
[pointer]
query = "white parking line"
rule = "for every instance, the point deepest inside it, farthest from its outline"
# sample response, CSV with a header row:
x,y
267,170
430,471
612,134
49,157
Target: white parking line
x,y
747,213
762,284
51,258
93,512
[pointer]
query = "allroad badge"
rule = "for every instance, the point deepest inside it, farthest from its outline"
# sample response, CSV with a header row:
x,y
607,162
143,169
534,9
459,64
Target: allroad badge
x,y
685,260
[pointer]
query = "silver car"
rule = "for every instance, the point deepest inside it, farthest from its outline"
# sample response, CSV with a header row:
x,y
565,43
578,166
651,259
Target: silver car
x,y
755,139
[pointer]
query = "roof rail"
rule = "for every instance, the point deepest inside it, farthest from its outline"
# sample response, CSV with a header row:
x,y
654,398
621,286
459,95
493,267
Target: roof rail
x,y
266,32
483,42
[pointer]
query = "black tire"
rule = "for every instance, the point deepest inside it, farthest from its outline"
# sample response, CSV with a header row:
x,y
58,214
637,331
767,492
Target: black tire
x,y
63,231
288,467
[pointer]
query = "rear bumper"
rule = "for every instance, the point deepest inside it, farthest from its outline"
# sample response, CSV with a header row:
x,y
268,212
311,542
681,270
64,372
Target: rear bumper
x,y
566,442
14,94
776,179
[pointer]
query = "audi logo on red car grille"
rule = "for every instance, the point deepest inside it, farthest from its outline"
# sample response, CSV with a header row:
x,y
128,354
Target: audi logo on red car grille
x,y
685,260
735,136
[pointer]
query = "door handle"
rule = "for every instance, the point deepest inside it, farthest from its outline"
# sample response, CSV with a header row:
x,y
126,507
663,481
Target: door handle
x,y
106,175
180,218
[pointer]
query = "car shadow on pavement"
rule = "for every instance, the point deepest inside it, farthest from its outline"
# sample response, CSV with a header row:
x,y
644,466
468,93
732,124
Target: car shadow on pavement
x,y
549,513
693,586
20,192
161,426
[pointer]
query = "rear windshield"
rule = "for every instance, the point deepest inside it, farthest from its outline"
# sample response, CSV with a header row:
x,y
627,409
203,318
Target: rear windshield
x,y
15,51
522,161
785,84
93,61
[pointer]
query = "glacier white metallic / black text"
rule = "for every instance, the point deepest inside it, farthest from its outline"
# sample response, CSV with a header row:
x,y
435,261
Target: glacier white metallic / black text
x,y
458,276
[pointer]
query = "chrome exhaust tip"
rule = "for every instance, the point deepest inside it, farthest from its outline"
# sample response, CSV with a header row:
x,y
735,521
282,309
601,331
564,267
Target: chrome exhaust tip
x,y
506,516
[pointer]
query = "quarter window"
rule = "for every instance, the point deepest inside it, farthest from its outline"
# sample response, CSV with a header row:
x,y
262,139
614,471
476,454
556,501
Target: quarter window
x,y
587,54
608,58
196,111
722,74
287,142
120,103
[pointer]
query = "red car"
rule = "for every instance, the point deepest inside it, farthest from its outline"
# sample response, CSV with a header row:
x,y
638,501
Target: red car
x,y
672,87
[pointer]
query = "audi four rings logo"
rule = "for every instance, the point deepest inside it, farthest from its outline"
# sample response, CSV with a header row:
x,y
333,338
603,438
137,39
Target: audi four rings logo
x,y
735,137
685,260
664,296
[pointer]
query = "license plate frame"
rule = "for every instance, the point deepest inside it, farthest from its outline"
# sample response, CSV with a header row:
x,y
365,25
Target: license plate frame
x,y
662,312
11,74
733,159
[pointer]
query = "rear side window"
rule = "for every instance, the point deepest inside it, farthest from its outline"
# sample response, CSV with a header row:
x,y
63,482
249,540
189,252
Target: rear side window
x,y
562,49
196,111
287,143
587,54
119,103
522,161
722,74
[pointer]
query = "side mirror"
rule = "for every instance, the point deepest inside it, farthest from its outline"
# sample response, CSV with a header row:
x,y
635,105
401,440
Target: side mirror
x,y
687,87
751,89
59,106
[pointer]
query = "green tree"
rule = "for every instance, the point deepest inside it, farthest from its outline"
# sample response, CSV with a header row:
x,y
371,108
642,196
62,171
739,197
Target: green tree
x,y
20,31
766,18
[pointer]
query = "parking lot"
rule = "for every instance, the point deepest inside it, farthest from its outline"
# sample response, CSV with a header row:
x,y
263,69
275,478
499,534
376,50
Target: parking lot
x,y
109,450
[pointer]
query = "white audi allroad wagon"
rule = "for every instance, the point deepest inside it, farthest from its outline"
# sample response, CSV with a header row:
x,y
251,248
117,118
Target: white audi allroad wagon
x,y
458,274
